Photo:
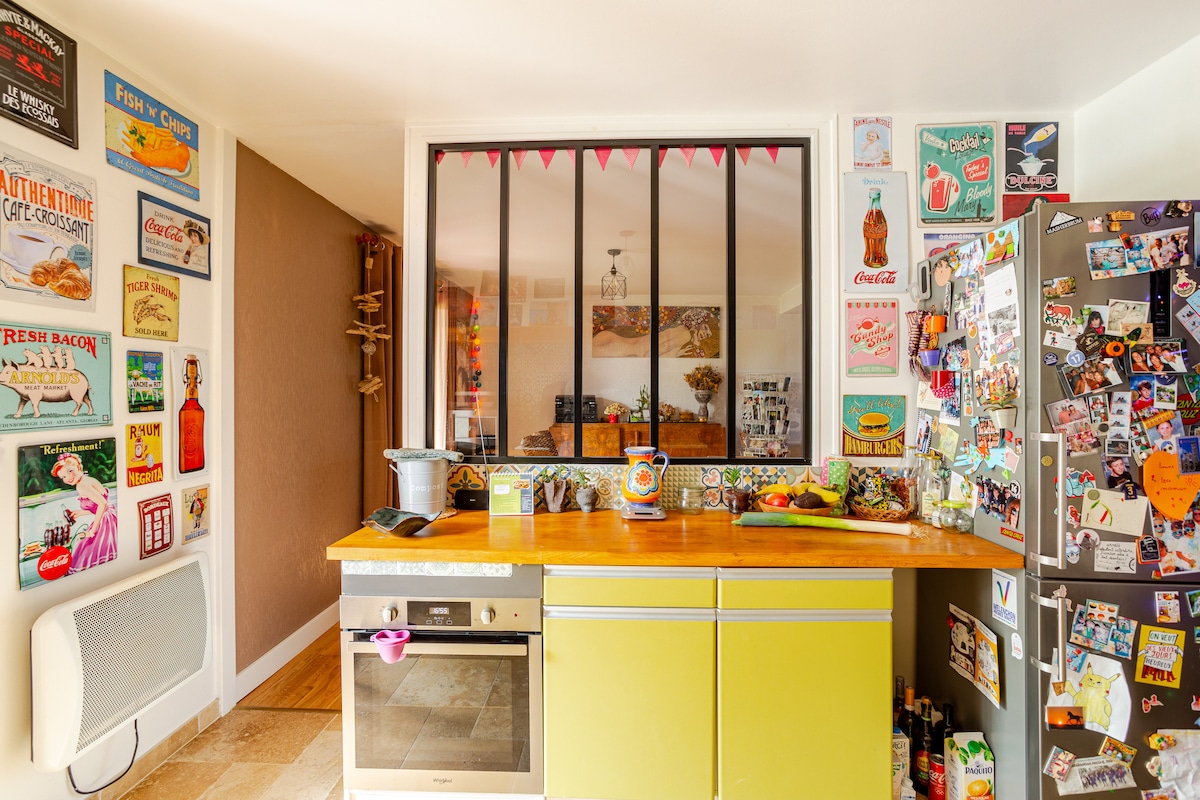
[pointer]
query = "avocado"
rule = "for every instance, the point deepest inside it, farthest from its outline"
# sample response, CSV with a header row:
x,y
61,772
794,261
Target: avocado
x,y
808,500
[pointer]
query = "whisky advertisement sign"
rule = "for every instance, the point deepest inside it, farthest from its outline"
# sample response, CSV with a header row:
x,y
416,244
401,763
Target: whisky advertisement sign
x,y
875,231
54,378
957,173
38,76
173,238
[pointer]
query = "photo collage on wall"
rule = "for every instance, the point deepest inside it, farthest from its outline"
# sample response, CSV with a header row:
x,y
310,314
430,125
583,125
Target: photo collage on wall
x,y
58,378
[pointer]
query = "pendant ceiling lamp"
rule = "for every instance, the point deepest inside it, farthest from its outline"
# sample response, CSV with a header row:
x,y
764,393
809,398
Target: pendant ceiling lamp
x,y
612,285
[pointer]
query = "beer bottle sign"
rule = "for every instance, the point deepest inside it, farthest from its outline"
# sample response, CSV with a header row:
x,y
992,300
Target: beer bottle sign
x,y
189,366
874,232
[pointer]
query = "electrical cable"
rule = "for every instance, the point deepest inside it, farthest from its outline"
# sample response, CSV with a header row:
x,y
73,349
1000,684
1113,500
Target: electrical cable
x,y
114,780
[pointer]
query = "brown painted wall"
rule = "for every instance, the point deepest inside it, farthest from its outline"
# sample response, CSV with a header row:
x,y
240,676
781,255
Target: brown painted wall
x,y
298,413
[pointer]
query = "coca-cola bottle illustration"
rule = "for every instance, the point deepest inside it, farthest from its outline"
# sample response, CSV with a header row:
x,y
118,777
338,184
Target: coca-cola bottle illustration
x,y
875,233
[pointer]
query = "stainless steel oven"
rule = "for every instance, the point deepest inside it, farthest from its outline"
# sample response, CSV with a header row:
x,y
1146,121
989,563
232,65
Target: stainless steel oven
x,y
462,711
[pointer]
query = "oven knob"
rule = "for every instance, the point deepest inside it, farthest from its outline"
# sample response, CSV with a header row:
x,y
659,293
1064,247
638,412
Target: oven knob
x,y
487,615
389,613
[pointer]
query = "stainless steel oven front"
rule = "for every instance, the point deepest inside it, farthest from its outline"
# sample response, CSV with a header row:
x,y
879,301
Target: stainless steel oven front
x,y
460,712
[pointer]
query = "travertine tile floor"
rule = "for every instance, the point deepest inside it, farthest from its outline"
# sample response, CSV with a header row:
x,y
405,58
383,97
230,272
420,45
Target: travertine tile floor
x,y
254,754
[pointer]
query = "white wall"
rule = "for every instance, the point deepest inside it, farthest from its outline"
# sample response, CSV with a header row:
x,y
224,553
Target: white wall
x,y
1138,140
200,325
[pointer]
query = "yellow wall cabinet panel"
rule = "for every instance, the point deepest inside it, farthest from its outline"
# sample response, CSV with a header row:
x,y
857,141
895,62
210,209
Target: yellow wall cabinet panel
x,y
804,705
645,587
804,588
630,706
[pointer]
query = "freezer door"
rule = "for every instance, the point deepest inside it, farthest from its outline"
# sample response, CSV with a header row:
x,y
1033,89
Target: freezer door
x,y
1098,539
1125,674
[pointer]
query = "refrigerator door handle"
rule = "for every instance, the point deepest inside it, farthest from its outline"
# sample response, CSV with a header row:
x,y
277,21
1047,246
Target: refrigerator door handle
x,y
1060,604
1059,561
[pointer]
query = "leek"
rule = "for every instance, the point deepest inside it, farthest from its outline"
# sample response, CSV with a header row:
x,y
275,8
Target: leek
x,y
783,519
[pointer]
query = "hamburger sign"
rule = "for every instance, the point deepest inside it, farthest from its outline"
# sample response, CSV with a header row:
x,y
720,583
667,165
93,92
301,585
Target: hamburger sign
x,y
873,425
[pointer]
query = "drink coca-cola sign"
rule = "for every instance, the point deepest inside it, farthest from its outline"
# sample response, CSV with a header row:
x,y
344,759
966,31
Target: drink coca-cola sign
x,y
874,231
173,238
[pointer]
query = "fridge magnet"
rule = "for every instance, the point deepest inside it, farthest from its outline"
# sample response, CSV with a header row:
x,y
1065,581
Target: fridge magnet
x,y
1058,764
871,346
1109,510
1171,493
1088,539
1166,393
47,233
1009,533
1064,717
1073,515
1017,650
1116,557
144,380
1057,314
1078,482
1059,341
937,243
1183,286
1061,221
1166,607
151,305
1050,359
143,453
1001,244
1116,470
998,501
872,143
173,238
1100,689
1149,550
196,513
1106,259
66,508
1160,357
880,201
1096,774
1159,657
188,366
149,139
873,425
1193,598
1117,750
1031,153
957,175
1098,409
1122,312
69,386
1058,288
156,533
1095,225
1004,598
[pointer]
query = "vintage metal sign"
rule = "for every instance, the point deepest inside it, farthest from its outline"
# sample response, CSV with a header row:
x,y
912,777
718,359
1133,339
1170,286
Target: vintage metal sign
x,y
149,139
38,81
54,378
173,238
151,305
957,166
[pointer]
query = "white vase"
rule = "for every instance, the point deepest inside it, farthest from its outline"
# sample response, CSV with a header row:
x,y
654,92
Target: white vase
x,y
702,397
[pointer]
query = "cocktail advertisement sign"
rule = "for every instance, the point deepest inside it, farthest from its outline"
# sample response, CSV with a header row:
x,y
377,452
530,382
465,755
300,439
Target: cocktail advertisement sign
x,y
38,77
149,139
47,233
66,509
873,425
173,238
54,378
957,173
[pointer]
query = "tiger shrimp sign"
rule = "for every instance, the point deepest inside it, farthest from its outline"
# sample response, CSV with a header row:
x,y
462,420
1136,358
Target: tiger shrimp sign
x,y
151,305
54,378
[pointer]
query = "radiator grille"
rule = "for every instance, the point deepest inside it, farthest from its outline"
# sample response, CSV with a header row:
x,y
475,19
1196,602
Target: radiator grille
x,y
139,644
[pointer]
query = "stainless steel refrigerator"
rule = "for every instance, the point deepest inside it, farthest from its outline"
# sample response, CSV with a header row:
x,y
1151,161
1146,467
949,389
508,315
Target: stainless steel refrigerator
x,y
1106,631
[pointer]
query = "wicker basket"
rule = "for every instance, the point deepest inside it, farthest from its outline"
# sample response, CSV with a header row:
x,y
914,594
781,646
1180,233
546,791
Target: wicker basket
x,y
878,514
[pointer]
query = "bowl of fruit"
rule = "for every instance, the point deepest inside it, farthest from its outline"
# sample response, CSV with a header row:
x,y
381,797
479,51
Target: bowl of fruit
x,y
804,497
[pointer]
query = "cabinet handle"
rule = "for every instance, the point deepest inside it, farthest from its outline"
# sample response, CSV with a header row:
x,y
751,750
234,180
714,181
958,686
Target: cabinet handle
x,y
1060,604
1060,527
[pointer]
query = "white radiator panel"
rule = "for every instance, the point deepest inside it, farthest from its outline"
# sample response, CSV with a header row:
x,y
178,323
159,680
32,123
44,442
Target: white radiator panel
x,y
101,660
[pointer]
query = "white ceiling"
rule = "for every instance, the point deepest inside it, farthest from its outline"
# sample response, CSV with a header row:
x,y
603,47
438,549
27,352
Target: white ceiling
x,y
324,90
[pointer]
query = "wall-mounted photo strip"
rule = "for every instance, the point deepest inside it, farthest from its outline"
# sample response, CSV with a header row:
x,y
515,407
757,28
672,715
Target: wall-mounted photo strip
x,y
1161,356
1098,409
1094,375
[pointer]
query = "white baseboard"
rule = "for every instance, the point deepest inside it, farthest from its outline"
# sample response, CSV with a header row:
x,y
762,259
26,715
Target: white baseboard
x,y
274,659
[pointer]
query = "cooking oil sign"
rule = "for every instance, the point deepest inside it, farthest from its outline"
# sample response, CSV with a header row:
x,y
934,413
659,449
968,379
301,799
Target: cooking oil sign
x,y
873,425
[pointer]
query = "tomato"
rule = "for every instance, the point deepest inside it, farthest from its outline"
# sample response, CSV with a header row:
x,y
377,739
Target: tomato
x,y
932,170
777,499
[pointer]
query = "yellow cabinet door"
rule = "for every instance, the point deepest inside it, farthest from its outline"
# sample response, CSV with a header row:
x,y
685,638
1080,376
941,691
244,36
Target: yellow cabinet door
x,y
630,703
804,703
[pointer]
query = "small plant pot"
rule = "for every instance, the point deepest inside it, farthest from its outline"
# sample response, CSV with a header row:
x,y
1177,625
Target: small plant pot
x,y
738,501
587,496
931,358
936,323
556,495
612,417
1005,418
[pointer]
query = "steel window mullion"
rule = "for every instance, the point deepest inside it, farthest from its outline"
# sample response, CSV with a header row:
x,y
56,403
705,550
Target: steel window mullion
x,y
730,300
502,346
577,423
654,294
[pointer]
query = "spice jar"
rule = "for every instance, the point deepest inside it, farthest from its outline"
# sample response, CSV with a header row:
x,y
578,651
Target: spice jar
x,y
935,513
691,499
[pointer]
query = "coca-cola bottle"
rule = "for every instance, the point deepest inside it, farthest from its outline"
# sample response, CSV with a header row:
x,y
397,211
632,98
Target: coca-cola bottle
x,y
875,233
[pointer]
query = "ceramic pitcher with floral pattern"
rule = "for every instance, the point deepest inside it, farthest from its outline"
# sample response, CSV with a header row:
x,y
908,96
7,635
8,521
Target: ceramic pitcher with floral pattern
x,y
642,484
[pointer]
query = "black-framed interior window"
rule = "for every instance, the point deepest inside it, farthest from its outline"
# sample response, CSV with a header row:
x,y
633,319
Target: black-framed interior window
x,y
572,279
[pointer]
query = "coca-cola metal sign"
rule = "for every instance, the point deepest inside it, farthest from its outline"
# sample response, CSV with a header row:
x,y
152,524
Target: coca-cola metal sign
x,y
874,231
173,238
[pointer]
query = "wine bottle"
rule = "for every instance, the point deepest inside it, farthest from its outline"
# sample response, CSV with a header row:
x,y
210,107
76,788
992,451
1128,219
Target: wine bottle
x,y
907,717
945,727
898,699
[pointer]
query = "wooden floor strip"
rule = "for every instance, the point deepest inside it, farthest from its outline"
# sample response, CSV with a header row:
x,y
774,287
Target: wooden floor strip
x,y
310,681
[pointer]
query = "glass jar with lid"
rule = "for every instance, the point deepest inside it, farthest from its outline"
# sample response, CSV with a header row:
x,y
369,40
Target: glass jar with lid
x,y
691,499
935,513
962,521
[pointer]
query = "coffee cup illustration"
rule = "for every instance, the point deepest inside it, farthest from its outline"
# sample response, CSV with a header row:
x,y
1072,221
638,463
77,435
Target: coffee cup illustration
x,y
27,247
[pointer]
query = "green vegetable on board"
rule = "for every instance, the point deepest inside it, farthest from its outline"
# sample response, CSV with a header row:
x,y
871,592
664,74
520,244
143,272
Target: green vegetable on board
x,y
783,519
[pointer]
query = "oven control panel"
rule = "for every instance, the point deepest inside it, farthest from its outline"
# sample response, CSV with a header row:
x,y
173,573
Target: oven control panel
x,y
439,614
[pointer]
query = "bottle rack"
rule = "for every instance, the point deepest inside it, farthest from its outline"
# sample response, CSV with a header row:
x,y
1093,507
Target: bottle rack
x,y
764,422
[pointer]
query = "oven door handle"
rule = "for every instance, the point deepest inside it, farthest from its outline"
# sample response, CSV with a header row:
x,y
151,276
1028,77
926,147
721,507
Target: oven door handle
x,y
446,649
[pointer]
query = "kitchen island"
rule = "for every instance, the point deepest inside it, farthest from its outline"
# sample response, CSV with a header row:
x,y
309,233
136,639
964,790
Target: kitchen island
x,y
688,657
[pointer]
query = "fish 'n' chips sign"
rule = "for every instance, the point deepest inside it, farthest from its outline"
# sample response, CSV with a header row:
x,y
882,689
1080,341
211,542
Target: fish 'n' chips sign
x,y
54,378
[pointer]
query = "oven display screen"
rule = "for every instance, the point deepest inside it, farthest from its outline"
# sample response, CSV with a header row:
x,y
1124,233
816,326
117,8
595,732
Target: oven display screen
x,y
444,615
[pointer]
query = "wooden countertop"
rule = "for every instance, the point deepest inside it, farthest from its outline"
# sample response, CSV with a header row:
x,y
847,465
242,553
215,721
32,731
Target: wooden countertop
x,y
603,538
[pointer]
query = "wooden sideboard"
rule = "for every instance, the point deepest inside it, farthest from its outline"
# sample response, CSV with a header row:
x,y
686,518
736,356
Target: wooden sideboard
x,y
609,439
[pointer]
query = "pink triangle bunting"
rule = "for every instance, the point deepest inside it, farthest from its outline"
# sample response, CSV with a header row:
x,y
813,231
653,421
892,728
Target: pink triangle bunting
x,y
439,155
631,155
571,155
717,151
602,154
662,155
744,152
493,157
773,151
689,152
519,156
466,156
547,154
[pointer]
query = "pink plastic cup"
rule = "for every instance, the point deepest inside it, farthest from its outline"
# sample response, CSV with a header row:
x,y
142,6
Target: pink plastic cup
x,y
391,644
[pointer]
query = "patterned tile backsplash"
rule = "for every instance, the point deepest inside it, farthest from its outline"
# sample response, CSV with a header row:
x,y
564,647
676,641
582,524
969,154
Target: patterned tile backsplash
x,y
607,480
